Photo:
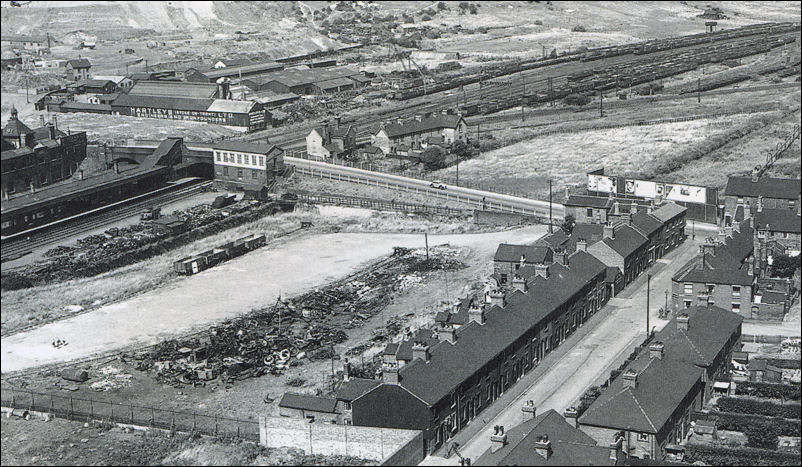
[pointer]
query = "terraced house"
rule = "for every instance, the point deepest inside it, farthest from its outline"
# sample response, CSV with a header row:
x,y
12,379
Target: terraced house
x,y
652,400
450,381
393,137
741,195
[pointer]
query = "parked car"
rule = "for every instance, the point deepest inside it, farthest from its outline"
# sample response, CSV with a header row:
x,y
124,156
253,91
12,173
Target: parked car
x,y
438,184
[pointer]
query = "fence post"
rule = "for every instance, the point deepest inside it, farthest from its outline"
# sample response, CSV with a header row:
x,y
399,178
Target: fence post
x,y
311,452
215,425
152,417
71,409
112,411
132,414
52,410
238,433
91,408
194,421
33,402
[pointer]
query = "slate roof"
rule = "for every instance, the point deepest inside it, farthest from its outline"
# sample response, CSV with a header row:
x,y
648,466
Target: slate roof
x,y
79,63
229,106
355,387
14,128
662,384
403,350
532,253
452,364
411,126
298,77
242,146
627,240
728,263
668,211
646,223
307,402
778,220
780,188
589,201
569,445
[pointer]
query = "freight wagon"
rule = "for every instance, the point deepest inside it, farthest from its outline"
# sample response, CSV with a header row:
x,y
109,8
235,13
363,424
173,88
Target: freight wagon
x,y
207,259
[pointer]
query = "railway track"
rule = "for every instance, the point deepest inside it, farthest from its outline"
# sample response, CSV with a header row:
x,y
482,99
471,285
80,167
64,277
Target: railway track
x,y
17,247
526,83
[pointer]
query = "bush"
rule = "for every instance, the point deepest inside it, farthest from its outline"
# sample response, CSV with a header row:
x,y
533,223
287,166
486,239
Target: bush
x,y
785,266
442,6
568,224
434,158
576,99
769,390
750,406
460,149
716,455
426,18
579,28
296,382
740,422
538,22
473,10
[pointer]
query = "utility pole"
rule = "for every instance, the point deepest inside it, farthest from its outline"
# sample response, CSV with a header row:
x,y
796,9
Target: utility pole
x,y
551,93
698,90
648,287
522,109
523,81
601,104
551,227
665,309
26,90
426,239
457,183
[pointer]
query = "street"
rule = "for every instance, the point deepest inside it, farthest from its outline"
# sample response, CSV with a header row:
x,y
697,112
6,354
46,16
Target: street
x,y
584,360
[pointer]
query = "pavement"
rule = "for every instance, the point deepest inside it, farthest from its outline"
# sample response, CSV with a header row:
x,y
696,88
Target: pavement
x,y
228,290
584,360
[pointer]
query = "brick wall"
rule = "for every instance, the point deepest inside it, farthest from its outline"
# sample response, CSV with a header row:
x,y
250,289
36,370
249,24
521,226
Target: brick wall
x,y
598,216
329,439
501,218
721,297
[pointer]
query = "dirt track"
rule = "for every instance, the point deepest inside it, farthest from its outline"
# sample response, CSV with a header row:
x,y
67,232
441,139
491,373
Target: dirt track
x,y
228,290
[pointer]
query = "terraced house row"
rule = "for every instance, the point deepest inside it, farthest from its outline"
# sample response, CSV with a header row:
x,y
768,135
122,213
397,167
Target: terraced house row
x,y
438,380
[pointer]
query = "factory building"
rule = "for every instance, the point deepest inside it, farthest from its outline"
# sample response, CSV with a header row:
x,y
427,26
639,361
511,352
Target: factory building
x,y
249,167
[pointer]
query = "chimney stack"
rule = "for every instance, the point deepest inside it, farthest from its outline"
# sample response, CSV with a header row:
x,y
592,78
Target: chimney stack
x,y
346,371
476,313
418,118
634,209
561,256
42,119
542,270
581,244
420,351
448,334
759,203
656,350
543,446
51,131
116,167
572,416
615,447
55,121
33,188
518,283
390,373
498,439
497,298
616,208
337,119
682,322
700,259
529,410
756,174
630,378
80,174
609,231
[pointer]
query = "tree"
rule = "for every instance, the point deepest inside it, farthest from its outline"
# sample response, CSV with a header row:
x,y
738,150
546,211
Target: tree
x,y
784,265
442,6
579,28
460,149
473,10
568,224
433,158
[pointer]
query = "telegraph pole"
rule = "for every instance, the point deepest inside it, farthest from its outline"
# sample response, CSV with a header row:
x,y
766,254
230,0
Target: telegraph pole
x,y
698,90
551,227
648,289
601,104
426,239
665,310
551,94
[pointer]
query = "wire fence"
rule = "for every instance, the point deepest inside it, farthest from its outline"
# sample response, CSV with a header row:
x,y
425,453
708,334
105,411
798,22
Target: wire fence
x,y
88,409
368,203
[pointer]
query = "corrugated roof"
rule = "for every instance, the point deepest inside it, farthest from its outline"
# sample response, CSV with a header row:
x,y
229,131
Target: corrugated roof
x,y
162,102
297,77
307,402
174,89
224,105
231,71
334,83
768,187
778,220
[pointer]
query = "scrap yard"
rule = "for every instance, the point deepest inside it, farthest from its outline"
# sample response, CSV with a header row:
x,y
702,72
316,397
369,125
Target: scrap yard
x,y
400,233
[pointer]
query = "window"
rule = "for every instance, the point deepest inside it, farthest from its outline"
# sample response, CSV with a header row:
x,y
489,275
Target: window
x,y
239,158
239,173
247,159
687,303
347,405
736,290
218,157
688,289
254,174
225,170
736,307
643,436
740,201
261,160
590,212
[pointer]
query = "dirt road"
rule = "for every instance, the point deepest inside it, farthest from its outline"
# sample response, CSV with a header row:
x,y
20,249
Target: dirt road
x,y
230,289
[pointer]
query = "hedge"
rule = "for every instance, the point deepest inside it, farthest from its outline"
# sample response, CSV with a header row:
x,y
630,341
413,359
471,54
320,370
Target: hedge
x,y
769,390
755,407
739,422
719,455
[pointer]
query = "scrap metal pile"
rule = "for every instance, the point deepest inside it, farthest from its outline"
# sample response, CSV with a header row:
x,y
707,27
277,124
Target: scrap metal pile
x,y
307,327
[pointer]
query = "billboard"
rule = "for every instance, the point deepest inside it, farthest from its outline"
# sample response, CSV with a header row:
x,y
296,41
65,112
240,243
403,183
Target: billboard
x,y
687,193
602,183
643,188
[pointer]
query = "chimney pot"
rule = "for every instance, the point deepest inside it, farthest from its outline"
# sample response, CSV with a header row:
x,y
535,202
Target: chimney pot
x,y
682,322
390,373
476,313
581,244
756,174
542,270
609,231
420,351
498,439
497,298
80,174
543,446
346,371
518,283
529,410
